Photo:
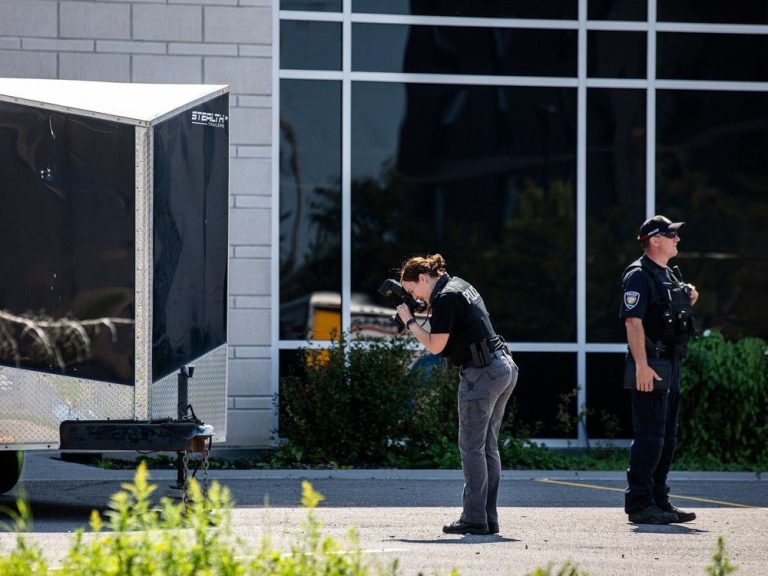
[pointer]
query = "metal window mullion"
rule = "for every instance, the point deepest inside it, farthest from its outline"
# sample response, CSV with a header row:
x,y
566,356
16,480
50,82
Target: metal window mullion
x,y
143,272
346,160
275,222
650,112
581,233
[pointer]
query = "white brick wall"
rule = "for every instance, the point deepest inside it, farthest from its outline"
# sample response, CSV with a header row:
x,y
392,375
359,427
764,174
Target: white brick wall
x,y
210,41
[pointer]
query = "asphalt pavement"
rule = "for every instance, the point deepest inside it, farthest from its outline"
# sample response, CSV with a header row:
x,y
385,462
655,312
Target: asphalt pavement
x,y
546,517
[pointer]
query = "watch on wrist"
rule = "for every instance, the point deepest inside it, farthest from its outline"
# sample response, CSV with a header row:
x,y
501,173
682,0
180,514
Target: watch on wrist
x,y
408,324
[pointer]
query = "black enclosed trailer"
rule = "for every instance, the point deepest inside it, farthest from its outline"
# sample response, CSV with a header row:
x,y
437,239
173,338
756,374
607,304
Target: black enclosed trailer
x,y
113,267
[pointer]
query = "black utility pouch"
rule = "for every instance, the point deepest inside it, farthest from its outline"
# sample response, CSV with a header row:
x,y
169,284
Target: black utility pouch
x,y
481,356
661,366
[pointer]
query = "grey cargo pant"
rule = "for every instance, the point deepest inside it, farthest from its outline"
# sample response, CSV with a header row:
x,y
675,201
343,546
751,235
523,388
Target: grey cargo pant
x,y
483,396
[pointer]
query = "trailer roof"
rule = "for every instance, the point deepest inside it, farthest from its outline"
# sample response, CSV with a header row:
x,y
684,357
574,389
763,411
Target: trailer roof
x,y
140,104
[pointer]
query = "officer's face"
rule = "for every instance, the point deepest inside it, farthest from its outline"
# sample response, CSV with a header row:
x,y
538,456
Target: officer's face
x,y
668,244
417,289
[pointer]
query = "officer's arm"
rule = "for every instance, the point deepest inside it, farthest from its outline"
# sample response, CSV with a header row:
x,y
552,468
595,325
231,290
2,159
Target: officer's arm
x,y
435,343
644,374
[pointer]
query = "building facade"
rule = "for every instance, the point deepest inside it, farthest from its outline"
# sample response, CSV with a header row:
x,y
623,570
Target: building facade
x,y
525,141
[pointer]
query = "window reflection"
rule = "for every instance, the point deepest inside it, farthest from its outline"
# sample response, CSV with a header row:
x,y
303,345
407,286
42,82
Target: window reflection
x,y
544,403
712,167
463,50
735,57
615,202
608,410
310,198
616,54
712,11
484,175
555,9
617,10
310,45
67,283
311,5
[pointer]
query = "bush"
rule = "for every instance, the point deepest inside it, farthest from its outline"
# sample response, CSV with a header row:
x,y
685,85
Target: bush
x,y
177,540
349,401
724,401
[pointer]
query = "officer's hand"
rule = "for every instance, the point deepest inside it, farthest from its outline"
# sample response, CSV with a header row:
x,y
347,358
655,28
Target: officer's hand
x,y
694,294
644,376
404,313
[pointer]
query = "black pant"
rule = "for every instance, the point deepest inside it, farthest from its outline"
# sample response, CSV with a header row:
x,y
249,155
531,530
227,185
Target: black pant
x,y
654,421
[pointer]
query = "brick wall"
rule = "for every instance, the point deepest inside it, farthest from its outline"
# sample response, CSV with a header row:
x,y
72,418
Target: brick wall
x,y
185,41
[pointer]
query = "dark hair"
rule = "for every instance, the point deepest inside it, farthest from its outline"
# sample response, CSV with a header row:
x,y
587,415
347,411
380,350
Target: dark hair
x,y
434,265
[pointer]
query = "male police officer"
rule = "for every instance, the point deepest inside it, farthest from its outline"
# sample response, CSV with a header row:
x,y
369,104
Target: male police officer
x,y
656,307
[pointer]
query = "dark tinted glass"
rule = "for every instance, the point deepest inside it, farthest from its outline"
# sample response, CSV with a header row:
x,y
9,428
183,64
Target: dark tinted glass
x,y
615,202
740,57
463,50
617,10
616,54
609,414
310,45
311,5
67,219
556,9
544,403
310,204
485,176
714,11
190,210
712,169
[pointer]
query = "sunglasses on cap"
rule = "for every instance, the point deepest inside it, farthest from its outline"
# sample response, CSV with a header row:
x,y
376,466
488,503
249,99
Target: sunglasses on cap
x,y
670,234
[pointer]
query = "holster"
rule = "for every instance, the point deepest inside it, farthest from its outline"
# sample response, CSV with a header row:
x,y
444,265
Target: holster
x,y
480,354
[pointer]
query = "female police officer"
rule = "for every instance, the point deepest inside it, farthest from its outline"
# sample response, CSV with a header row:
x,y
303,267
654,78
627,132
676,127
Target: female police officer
x,y
461,331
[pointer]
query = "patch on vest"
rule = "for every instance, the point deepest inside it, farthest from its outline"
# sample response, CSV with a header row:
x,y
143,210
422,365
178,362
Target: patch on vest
x,y
631,298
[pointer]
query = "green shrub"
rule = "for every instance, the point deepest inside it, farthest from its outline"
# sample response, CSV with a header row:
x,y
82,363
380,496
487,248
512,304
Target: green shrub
x,y
348,402
174,539
724,401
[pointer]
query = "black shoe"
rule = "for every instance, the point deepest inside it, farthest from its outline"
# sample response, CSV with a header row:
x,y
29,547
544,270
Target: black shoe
x,y
493,528
461,527
653,515
682,515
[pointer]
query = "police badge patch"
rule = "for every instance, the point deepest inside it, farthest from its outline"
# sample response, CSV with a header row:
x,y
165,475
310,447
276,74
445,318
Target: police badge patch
x,y
631,298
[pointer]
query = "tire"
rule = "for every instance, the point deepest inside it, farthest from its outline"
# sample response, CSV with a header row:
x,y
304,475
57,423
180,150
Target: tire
x,y
11,465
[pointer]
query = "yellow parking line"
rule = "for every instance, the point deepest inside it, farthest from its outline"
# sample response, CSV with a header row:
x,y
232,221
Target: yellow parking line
x,y
693,498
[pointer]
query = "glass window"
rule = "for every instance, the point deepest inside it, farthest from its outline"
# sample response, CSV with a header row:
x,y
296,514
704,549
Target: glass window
x,y
615,202
712,11
310,45
609,413
736,57
463,50
485,176
555,9
712,169
544,403
310,207
311,5
617,10
616,54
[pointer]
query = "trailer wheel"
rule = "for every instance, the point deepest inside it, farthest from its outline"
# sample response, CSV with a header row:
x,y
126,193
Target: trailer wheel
x,y
11,464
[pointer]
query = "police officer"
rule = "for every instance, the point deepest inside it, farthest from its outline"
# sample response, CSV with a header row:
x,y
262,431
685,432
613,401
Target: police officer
x,y
656,307
461,331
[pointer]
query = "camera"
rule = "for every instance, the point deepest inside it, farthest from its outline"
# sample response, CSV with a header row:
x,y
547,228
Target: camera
x,y
393,288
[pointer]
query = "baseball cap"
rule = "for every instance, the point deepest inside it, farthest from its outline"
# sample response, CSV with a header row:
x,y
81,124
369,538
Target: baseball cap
x,y
658,225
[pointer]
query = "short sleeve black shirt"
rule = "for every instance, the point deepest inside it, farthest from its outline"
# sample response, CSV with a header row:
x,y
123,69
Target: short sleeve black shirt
x,y
640,299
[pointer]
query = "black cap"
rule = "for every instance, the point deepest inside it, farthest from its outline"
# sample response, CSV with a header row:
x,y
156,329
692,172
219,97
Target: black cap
x,y
658,225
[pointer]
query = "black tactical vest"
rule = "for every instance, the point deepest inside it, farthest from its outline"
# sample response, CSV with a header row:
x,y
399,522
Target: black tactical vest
x,y
670,317
474,327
